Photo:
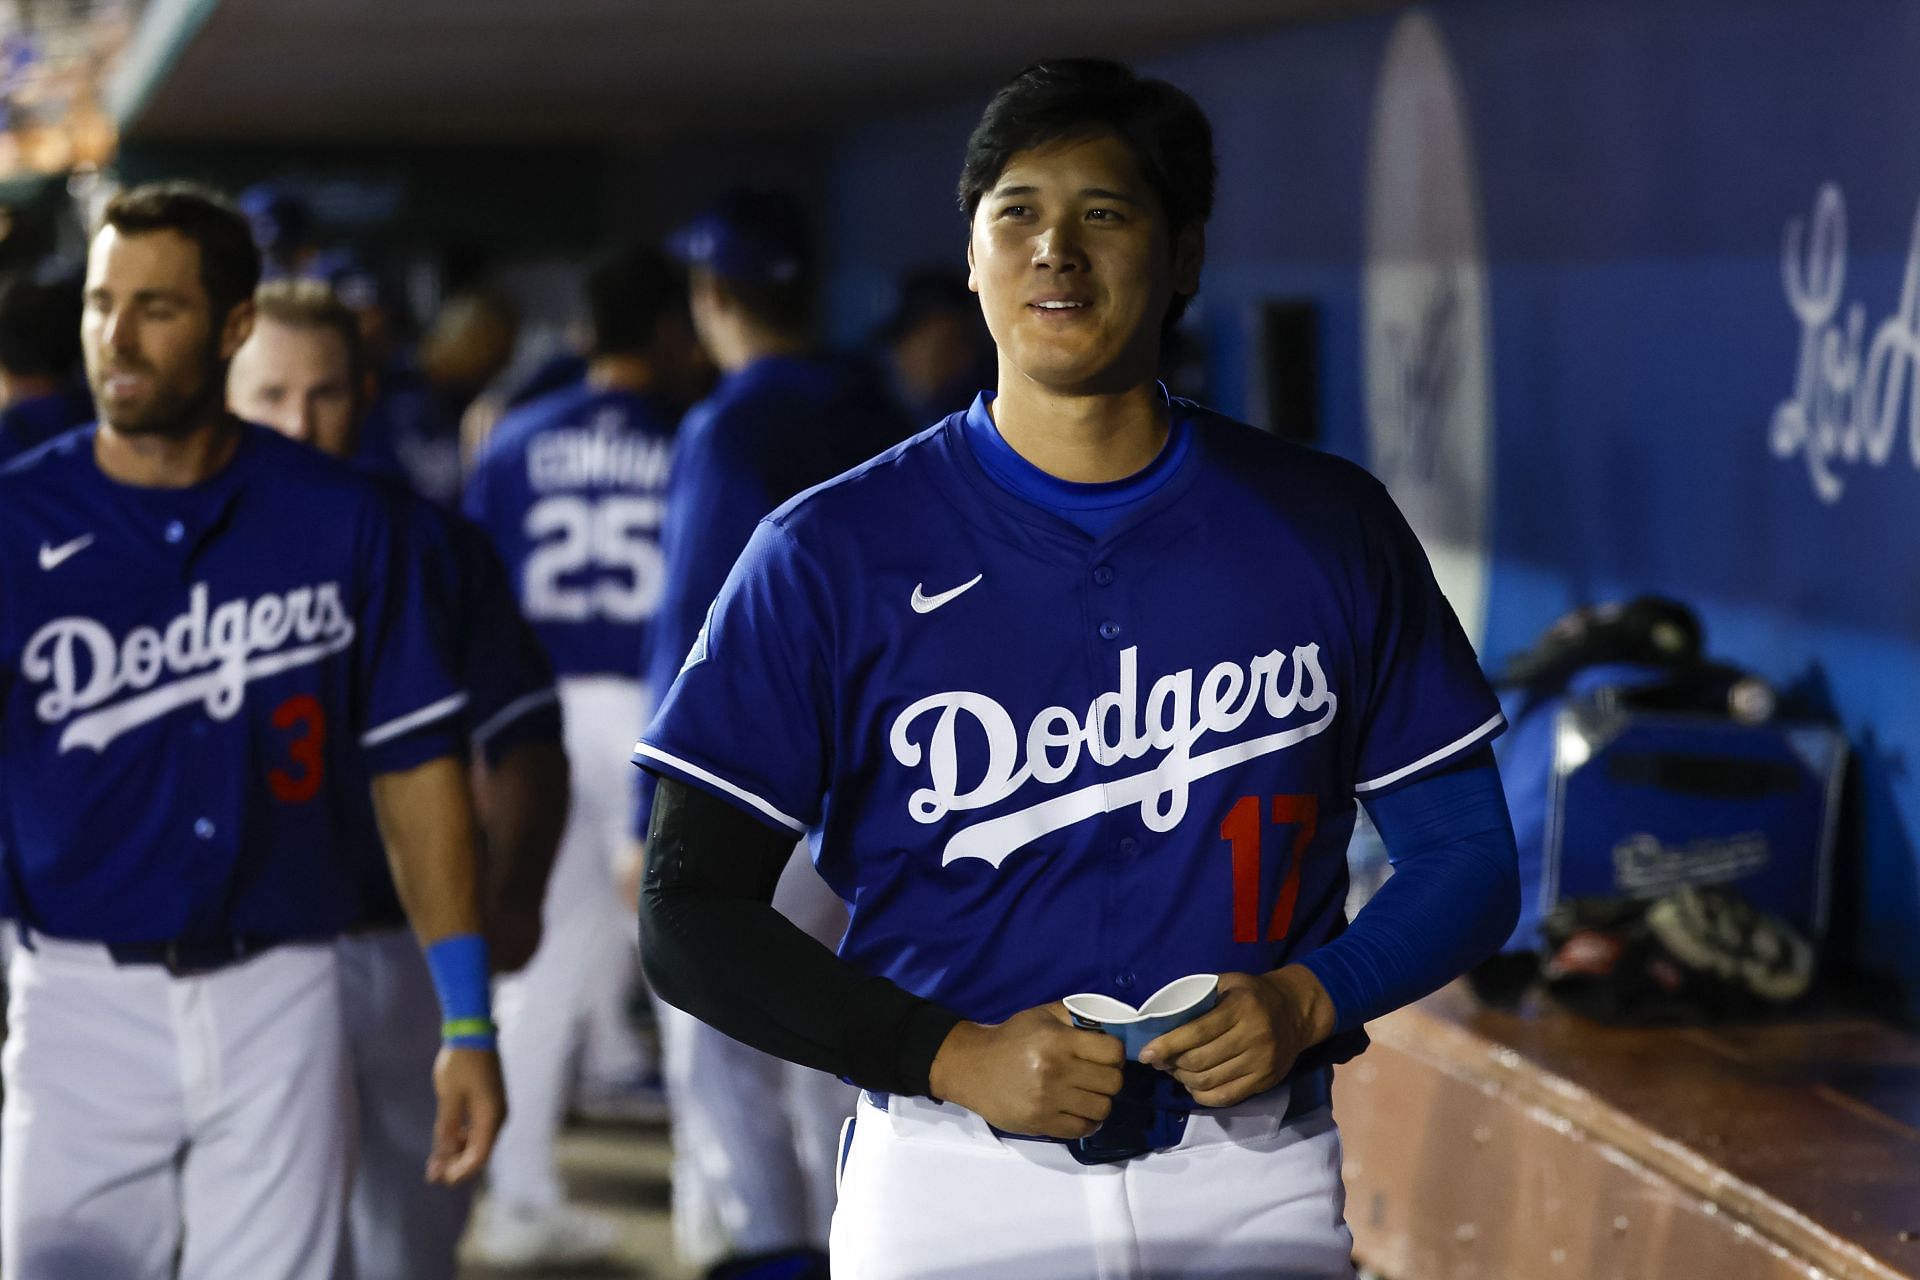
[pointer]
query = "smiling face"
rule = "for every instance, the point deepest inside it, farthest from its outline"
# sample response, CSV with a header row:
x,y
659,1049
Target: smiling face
x,y
1075,265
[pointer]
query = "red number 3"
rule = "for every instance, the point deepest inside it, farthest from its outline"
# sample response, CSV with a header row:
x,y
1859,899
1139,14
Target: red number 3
x,y
1241,829
306,750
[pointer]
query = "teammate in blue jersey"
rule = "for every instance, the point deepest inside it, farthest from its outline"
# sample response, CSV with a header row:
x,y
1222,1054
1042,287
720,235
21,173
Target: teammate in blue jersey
x,y
301,372
754,1137
784,417
39,361
206,634
1076,693
572,489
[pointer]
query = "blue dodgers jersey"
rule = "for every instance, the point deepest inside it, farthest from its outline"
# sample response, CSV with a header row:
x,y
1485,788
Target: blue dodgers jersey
x,y
190,682
1036,763
495,657
572,489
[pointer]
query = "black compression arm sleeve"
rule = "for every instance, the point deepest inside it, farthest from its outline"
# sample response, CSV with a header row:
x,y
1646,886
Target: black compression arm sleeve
x,y
712,944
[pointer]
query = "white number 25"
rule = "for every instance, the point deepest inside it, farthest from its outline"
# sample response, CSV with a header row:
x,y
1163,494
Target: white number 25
x,y
613,537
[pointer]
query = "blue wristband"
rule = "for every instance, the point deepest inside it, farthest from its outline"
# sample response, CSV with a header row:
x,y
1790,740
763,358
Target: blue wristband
x,y
459,968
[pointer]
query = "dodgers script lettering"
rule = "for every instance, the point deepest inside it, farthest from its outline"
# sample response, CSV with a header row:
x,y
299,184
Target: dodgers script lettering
x,y
1176,717
212,653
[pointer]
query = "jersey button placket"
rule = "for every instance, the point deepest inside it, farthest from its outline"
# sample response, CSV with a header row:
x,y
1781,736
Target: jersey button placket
x,y
1116,948
175,532
1128,850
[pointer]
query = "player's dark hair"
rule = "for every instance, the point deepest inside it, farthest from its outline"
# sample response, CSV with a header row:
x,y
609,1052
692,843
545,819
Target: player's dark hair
x,y
312,304
1077,98
40,324
629,291
229,260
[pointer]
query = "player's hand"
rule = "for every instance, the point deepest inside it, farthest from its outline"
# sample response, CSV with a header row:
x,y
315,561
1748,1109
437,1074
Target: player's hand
x,y
1035,1073
473,1106
1246,1044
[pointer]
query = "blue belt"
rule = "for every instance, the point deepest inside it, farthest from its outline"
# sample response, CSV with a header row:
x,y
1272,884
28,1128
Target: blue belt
x,y
184,959
1146,1118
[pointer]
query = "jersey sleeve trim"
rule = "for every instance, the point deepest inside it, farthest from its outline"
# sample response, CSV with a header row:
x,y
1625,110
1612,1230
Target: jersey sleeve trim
x,y
1452,748
515,710
413,720
674,764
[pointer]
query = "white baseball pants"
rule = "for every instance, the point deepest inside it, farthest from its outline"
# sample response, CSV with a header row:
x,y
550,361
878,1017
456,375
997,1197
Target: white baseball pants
x,y
576,987
147,1114
929,1191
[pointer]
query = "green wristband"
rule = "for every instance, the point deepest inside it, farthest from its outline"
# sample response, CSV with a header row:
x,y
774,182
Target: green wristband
x,y
469,1029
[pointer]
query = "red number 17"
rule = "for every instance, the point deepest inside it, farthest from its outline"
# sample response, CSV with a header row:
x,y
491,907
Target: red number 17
x,y
1241,828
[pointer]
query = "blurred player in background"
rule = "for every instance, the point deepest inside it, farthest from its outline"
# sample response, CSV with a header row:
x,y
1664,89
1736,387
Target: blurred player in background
x,y
208,635
40,394
467,347
1075,692
394,392
411,425
282,226
302,373
572,489
937,351
754,1136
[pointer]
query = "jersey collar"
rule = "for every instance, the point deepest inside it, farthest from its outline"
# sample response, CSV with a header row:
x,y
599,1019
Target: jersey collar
x,y
196,509
1181,455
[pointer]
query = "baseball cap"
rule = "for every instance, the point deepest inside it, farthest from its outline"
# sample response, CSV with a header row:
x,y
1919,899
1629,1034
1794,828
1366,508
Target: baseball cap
x,y
280,219
750,235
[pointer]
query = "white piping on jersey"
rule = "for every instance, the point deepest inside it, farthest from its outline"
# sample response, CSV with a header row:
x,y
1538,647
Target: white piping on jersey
x,y
1173,719
513,711
1387,779
738,793
413,720
210,649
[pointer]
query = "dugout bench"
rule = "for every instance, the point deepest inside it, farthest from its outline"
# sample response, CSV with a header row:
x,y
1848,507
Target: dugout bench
x,y
1537,1145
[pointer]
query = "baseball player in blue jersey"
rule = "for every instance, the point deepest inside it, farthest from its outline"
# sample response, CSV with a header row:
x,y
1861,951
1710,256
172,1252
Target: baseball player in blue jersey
x,y
206,633
301,373
572,489
754,1137
1076,693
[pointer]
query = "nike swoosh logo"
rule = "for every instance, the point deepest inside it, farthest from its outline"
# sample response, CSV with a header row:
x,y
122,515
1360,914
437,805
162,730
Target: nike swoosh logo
x,y
924,603
52,557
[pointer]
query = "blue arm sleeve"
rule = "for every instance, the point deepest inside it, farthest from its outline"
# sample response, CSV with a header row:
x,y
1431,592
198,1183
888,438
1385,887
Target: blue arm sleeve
x,y
1451,901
